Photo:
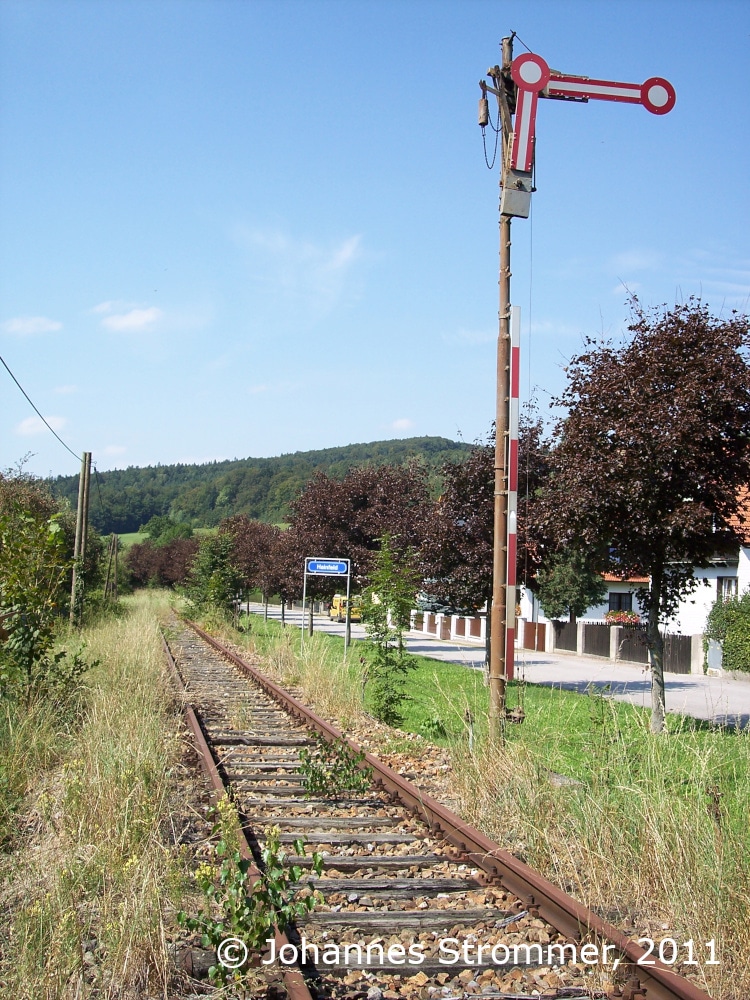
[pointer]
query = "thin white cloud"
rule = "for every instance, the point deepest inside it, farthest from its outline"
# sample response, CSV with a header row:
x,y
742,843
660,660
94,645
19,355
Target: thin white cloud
x,y
134,320
65,390
730,288
636,260
343,255
298,274
114,449
402,424
222,361
25,326
121,316
621,288
717,275
560,329
279,388
35,425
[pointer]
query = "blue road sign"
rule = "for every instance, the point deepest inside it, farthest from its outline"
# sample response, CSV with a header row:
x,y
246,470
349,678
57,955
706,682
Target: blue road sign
x,y
327,567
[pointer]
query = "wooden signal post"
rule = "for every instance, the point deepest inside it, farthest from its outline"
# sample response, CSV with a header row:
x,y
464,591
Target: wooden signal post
x,y
518,84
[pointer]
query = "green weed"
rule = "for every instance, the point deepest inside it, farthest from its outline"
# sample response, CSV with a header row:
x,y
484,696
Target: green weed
x,y
238,907
332,768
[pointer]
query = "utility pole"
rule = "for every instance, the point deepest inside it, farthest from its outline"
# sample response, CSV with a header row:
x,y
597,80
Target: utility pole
x,y
499,672
114,579
110,580
79,546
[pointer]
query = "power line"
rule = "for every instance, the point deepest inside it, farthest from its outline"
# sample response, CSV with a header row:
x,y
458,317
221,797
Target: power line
x,y
29,400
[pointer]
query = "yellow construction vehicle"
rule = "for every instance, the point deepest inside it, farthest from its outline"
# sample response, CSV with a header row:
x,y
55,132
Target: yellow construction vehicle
x,y
337,610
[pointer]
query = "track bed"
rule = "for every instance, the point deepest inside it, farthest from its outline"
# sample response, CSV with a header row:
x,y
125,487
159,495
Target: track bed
x,y
415,904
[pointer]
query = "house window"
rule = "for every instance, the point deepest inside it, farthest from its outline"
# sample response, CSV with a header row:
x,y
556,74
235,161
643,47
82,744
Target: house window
x,y
726,587
620,602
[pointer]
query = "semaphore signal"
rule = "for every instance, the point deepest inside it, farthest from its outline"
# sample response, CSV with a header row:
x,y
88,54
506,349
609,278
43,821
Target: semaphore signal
x,y
518,85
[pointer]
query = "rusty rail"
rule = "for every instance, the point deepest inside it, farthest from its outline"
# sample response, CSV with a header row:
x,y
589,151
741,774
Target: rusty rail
x,y
567,915
293,979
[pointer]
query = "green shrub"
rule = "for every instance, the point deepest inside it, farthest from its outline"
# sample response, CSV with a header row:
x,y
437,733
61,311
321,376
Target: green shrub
x,y
729,623
213,581
386,611
238,907
333,768
34,563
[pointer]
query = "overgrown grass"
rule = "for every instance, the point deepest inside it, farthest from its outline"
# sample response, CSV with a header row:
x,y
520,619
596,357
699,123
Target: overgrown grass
x,y
316,665
652,831
88,880
32,739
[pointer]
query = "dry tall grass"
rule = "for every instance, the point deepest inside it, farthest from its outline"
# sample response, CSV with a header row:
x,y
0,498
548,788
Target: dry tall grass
x,y
646,843
86,892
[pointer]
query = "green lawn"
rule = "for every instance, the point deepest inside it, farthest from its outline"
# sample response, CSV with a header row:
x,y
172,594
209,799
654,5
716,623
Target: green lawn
x,y
590,738
136,537
132,538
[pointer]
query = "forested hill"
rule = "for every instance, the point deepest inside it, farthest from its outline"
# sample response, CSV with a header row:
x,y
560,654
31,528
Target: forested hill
x,y
123,500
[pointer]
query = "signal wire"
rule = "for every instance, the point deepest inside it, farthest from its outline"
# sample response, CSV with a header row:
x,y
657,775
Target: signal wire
x,y
34,408
46,424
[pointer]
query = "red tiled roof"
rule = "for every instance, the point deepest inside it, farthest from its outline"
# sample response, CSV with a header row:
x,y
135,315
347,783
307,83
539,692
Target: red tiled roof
x,y
740,522
612,578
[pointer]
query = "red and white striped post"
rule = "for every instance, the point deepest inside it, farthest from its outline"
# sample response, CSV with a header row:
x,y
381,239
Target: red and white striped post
x,y
512,465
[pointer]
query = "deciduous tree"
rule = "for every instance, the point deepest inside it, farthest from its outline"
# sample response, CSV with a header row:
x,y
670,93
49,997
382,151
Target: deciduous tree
x,y
567,585
653,453
457,553
166,565
252,548
347,518
386,611
213,581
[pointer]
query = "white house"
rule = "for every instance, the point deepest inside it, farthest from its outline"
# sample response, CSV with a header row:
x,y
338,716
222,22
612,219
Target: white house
x,y
728,575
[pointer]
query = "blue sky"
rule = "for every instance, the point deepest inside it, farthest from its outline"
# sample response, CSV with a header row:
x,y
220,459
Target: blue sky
x,y
233,229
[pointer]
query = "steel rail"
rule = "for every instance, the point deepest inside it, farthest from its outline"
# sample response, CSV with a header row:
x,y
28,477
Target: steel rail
x,y
293,980
650,982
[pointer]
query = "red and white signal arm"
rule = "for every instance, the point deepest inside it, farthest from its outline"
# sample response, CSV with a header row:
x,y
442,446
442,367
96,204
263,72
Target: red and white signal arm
x,y
535,79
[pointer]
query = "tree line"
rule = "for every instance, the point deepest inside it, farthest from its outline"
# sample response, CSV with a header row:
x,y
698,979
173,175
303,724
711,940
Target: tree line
x,y
640,478
262,488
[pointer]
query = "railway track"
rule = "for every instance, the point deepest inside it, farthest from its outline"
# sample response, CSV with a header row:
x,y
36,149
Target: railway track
x,y
416,902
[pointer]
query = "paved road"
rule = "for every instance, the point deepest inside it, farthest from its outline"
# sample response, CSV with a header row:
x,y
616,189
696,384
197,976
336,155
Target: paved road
x,y
723,700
